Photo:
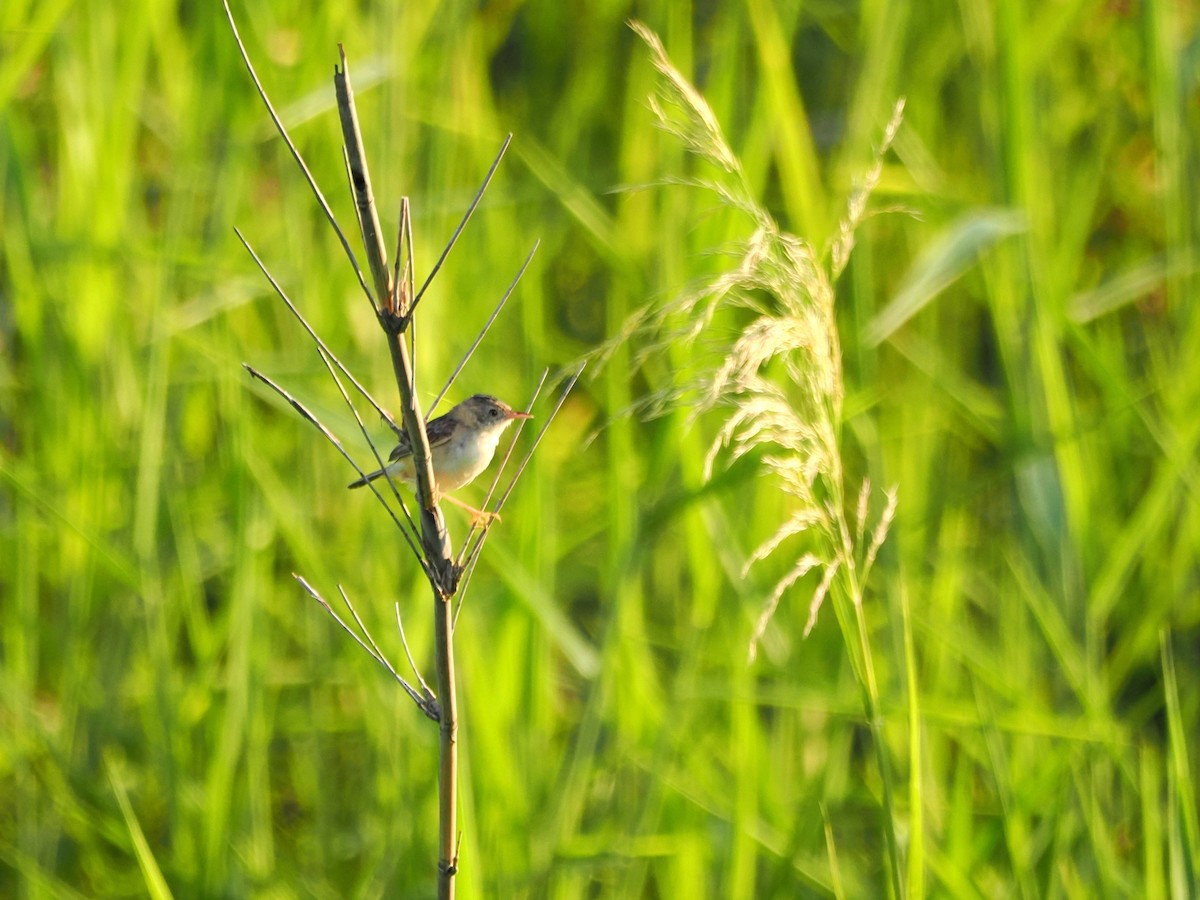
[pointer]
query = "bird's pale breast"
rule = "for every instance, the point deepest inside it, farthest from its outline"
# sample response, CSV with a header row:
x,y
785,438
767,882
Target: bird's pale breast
x,y
460,460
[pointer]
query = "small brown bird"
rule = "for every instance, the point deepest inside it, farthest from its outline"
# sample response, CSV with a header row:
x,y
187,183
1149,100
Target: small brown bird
x,y
462,444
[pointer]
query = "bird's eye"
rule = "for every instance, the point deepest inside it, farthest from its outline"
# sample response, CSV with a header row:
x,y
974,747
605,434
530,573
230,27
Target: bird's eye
x,y
494,412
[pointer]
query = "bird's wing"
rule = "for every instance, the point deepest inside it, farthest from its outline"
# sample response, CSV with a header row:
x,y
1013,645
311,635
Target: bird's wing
x,y
439,431
401,450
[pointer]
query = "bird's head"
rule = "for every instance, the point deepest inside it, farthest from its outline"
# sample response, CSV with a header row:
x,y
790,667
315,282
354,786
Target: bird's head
x,y
488,414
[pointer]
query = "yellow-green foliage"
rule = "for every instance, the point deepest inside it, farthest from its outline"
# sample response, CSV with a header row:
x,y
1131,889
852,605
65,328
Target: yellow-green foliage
x,y
1006,712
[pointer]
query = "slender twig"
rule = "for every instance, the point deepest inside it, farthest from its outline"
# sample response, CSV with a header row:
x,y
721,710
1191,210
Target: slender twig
x,y
549,420
328,358
463,224
426,705
384,414
303,411
464,582
312,183
408,252
332,438
403,291
398,299
508,452
468,567
487,327
408,653
404,286
361,626
477,531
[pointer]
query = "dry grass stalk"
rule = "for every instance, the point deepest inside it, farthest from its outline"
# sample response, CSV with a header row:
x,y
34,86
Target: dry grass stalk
x,y
779,383
792,423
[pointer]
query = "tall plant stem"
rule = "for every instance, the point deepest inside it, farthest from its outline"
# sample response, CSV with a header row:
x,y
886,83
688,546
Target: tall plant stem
x,y
435,542
447,746
393,308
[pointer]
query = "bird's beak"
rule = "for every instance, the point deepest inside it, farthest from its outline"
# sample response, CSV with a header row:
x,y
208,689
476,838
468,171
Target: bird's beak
x,y
515,414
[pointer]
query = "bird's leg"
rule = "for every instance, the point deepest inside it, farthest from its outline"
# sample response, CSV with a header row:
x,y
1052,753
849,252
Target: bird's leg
x,y
477,515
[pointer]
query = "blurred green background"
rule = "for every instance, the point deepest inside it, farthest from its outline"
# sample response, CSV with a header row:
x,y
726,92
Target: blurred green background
x,y
175,714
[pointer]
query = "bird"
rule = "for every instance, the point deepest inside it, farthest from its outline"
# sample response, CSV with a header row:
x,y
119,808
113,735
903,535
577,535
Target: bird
x,y
462,443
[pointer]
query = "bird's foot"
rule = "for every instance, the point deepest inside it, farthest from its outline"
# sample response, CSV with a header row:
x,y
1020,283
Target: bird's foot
x,y
479,517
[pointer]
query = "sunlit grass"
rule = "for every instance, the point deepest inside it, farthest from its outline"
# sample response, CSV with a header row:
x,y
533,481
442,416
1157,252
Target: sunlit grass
x,y
155,503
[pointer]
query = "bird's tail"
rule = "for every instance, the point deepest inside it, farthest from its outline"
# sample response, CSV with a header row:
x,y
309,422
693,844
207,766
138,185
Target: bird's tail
x,y
378,473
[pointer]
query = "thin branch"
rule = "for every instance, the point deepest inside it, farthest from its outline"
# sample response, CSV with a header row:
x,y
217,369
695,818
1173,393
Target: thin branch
x,y
383,413
412,662
528,456
312,183
304,413
487,326
393,298
477,547
398,299
379,658
465,580
479,531
408,286
881,530
326,356
363,628
423,704
463,224
332,438
408,240
512,444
